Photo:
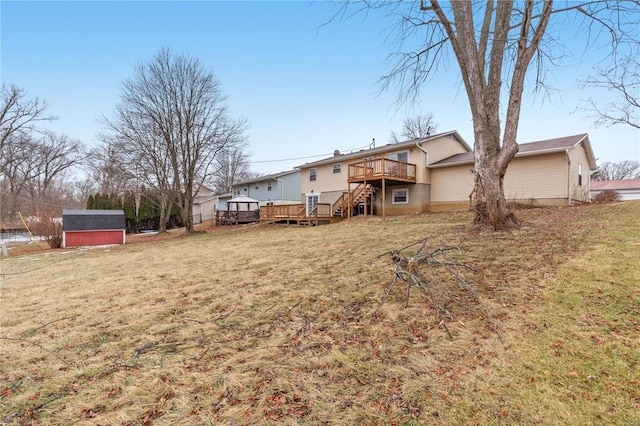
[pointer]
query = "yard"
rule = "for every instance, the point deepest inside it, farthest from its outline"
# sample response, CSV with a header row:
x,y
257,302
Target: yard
x,y
278,325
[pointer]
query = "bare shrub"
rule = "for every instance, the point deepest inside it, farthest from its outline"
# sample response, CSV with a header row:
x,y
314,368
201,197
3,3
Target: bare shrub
x,y
606,196
49,229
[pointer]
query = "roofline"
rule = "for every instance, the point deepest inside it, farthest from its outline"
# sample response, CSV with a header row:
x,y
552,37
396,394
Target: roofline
x,y
587,146
93,212
590,155
272,176
384,148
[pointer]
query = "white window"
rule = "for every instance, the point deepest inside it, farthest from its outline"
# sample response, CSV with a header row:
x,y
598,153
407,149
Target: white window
x,y
399,156
312,175
400,196
579,174
269,186
337,168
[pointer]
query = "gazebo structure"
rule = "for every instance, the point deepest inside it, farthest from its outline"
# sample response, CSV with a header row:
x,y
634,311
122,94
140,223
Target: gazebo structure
x,y
240,209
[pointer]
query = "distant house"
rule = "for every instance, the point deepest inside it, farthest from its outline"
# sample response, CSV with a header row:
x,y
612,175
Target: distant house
x,y
204,205
629,189
274,189
93,227
436,173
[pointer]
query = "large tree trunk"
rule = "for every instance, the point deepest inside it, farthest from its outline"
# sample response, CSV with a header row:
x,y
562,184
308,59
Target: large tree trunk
x,y
187,212
490,207
165,212
491,158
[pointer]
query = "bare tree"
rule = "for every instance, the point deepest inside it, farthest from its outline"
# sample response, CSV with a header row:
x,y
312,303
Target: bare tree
x,y
618,171
54,154
106,175
232,166
419,126
19,113
495,44
173,114
30,168
623,79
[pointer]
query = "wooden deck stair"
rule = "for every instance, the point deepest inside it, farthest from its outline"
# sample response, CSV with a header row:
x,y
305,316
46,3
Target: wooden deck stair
x,y
341,207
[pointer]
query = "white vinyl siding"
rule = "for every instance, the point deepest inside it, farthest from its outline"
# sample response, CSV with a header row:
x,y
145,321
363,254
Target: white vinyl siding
x,y
540,177
451,184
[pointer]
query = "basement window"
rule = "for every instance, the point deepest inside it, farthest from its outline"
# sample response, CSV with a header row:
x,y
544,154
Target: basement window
x,y
400,196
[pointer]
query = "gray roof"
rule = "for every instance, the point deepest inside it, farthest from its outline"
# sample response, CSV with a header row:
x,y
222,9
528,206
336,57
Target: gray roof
x,y
265,177
71,212
385,148
92,220
547,146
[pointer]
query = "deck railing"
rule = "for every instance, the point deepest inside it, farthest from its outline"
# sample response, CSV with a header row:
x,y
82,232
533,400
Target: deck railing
x,y
282,211
382,168
232,217
296,213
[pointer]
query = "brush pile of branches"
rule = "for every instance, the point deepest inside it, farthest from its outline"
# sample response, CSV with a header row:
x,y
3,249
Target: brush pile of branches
x,y
441,274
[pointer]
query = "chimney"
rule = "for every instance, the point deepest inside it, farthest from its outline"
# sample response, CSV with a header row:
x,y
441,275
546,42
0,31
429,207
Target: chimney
x,y
336,153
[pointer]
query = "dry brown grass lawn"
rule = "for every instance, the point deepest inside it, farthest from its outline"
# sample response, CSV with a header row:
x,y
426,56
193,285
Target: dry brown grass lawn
x,y
276,325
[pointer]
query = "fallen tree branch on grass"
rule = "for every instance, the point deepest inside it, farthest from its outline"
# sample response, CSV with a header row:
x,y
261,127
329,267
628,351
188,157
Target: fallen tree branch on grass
x,y
439,273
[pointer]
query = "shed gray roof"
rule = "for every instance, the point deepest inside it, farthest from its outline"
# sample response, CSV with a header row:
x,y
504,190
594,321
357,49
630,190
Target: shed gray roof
x,y
92,220
547,146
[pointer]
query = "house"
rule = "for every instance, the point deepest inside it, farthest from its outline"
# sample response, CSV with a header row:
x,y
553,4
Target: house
x,y
629,189
93,227
274,189
436,173
549,172
204,205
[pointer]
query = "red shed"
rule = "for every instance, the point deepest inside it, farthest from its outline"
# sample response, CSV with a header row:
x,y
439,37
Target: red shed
x,y
92,227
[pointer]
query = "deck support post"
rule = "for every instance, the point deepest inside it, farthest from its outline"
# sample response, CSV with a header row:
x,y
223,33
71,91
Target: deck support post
x,y
364,200
349,202
384,199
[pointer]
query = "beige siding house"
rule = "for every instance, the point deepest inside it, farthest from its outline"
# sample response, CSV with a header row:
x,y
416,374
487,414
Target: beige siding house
x,y
549,172
392,179
436,173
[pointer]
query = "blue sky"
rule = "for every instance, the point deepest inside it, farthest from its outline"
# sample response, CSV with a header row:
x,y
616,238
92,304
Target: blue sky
x,y
305,89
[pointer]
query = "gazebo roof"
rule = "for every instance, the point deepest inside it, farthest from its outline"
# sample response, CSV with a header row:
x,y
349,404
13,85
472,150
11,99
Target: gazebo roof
x,y
242,199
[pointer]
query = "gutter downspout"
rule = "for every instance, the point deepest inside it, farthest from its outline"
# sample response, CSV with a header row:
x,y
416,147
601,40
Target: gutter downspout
x,y
569,200
426,164
281,188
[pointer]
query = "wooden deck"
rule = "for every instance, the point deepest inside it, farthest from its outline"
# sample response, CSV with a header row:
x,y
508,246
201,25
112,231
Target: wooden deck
x,y
376,170
297,214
